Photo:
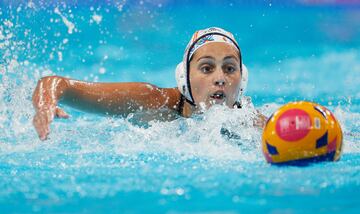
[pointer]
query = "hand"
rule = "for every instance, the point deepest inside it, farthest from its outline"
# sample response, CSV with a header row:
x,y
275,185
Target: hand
x,y
260,121
44,117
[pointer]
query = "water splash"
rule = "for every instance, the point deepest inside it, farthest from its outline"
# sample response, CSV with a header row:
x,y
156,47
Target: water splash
x,y
68,24
89,156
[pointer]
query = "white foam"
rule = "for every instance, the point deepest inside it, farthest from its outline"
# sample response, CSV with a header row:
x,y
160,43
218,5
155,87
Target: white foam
x,y
102,70
60,56
195,137
8,23
97,18
67,23
31,4
120,5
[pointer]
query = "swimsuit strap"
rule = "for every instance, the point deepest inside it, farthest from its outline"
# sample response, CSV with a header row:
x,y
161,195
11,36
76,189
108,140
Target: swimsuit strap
x,y
180,107
238,104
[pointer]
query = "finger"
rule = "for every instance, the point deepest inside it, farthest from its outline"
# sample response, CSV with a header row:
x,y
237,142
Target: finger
x,y
41,124
40,127
44,132
61,113
43,136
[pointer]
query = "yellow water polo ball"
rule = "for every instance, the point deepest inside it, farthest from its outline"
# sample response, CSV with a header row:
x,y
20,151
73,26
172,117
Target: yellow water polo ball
x,y
300,133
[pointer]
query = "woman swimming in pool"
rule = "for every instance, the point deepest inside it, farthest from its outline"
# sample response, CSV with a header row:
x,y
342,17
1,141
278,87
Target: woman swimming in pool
x,y
211,73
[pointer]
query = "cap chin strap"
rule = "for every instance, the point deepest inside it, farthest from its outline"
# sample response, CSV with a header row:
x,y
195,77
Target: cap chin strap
x,y
243,82
182,83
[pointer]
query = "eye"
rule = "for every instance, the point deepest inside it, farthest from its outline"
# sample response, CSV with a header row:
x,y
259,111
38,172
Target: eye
x,y
230,69
206,69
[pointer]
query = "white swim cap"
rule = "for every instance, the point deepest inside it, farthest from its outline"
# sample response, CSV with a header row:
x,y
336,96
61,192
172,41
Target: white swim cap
x,y
199,39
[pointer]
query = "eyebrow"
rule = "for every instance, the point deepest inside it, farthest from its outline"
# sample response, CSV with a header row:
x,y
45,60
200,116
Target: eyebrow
x,y
206,57
230,57
225,58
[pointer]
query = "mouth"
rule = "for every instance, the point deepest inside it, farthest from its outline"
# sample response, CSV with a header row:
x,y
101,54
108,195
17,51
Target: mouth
x,y
218,95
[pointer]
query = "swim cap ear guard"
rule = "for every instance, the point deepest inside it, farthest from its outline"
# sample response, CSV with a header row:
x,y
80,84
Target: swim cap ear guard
x,y
183,86
243,82
199,39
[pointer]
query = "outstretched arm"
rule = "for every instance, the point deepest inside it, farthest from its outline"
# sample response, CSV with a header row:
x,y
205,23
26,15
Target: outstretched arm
x,y
104,98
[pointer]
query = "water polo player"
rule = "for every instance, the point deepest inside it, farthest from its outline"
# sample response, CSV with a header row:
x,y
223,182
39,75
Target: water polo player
x,y
211,72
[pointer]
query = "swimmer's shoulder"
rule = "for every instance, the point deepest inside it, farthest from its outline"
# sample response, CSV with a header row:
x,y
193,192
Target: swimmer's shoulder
x,y
175,100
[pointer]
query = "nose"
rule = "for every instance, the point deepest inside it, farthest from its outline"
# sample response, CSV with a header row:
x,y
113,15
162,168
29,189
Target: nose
x,y
219,79
220,82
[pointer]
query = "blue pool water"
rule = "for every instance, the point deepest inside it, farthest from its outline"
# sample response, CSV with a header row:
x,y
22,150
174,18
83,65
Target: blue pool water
x,y
296,50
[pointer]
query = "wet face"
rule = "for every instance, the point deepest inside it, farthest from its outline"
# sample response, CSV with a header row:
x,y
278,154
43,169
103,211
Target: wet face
x,y
215,75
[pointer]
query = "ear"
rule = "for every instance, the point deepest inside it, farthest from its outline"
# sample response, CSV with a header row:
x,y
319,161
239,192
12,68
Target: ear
x,y
180,75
